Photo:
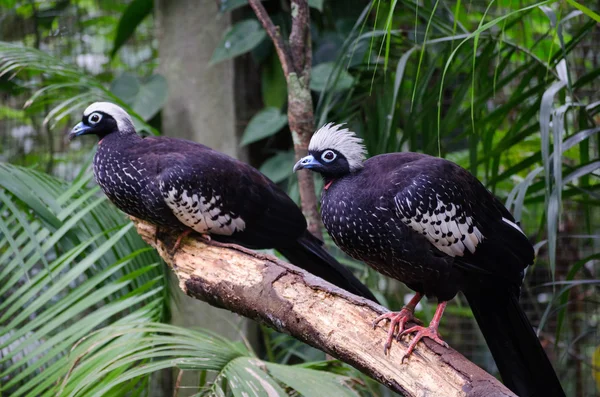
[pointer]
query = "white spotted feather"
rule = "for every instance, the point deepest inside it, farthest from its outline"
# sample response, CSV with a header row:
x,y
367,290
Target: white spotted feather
x,y
453,244
195,212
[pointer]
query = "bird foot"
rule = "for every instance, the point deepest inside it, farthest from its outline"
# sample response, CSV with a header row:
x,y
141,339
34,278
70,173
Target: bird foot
x,y
397,321
431,332
180,238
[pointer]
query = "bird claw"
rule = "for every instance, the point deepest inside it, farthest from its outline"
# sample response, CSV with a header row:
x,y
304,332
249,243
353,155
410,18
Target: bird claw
x,y
397,321
180,238
421,332
205,237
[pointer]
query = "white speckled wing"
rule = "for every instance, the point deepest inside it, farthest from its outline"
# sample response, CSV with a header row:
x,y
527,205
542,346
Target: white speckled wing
x,y
204,214
445,222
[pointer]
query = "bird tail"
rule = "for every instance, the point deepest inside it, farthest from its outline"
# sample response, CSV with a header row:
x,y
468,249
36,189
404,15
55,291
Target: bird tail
x,y
308,253
521,359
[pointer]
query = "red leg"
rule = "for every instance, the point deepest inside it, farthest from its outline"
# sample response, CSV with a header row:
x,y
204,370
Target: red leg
x,y
430,332
398,319
181,236
185,233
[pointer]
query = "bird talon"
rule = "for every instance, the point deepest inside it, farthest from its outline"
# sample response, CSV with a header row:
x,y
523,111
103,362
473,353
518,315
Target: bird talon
x,y
397,322
430,332
179,239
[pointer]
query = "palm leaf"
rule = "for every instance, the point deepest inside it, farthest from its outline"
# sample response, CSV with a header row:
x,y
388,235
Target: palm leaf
x,y
65,89
82,299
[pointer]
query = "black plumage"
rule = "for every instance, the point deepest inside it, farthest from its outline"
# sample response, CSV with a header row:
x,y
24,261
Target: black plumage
x,y
429,223
182,185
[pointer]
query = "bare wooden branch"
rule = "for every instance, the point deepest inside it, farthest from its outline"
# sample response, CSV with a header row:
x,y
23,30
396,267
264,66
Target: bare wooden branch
x,y
300,34
290,300
274,34
296,63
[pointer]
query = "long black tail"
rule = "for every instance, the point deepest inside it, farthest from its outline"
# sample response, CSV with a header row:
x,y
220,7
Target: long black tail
x,y
521,359
308,253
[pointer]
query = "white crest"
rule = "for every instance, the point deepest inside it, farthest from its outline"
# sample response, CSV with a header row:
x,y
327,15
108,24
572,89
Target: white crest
x,y
331,136
123,119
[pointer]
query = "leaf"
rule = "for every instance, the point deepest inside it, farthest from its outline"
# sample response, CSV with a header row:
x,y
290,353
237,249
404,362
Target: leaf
x,y
317,4
64,278
126,87
585,10
66,90
310,382
265,123
133,16
325,76
279,167
241,38
247,378
106,359
145,98
273,84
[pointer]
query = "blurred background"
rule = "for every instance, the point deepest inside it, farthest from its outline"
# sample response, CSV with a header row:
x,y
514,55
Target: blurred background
x,y
507,89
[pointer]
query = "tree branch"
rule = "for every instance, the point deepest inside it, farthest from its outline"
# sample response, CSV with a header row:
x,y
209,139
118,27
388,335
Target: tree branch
x,y
300,34
296,64
274,34
292,301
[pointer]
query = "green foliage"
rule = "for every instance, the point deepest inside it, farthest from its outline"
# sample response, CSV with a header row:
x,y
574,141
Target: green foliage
x,y
70,90
277,168
239,39
134,14
69,263
264,124
82,298
273,84
323,73
146,97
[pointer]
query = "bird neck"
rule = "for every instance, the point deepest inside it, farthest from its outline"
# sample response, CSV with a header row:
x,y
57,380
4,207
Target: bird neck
x,y
119,138
328,180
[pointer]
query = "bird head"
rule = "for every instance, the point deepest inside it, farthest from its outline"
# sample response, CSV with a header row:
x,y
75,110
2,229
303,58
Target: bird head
x,y
102,119
333,152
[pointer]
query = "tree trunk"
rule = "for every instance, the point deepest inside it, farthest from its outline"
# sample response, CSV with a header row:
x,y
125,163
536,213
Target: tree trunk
x,y
290,300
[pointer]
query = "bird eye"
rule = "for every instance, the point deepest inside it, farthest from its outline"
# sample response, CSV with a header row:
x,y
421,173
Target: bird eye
x,y
95,118
328,156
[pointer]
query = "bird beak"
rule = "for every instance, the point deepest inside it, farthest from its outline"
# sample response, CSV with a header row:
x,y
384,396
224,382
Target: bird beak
x,y
307,162
78,130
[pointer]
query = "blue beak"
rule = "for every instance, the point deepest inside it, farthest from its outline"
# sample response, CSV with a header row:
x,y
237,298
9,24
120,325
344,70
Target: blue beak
x,y
307,162
79,129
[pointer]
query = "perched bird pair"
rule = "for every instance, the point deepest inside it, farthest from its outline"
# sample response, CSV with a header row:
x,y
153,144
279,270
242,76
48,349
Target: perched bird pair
x,y
422,220
429,223
184,186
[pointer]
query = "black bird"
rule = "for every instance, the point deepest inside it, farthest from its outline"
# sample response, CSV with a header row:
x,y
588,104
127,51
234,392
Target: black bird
x,y
429,223
182,185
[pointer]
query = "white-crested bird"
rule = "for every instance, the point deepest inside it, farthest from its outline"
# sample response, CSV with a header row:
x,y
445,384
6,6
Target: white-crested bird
x,y
432,225
184,186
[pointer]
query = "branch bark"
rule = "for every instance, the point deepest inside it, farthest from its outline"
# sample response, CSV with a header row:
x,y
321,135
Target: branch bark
x,y
292,301
296,63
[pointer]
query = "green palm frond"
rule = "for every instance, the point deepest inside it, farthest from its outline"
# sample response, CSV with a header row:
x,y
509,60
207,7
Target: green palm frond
x,y
69,263
64,88
82,299
104,364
